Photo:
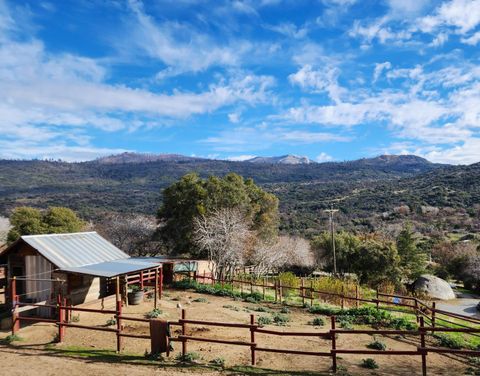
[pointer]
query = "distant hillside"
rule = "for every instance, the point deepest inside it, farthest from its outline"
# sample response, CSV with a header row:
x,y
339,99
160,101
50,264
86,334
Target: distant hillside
x,y
142,158
284,159
368,192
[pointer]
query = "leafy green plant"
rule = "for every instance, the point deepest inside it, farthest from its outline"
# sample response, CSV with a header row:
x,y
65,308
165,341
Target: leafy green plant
x,y
135,288
200,300
264,320
233,308
189,357
184,284
259,309
377,345
318,321
445,340
280,319
219,362
285,310
13,338
111,321
154,313
369,363
289,283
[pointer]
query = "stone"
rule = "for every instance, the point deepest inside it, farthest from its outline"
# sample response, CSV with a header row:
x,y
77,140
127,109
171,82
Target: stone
x,y
434,287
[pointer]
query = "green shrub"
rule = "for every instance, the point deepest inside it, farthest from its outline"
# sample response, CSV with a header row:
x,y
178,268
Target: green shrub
x,y
318,321
324,310
288,279
219,362
13,338
280,319
377,345
445,340
189,357
259,309
153,314
254,297
184,284
369,363
200,300
346,322
111,322
264,320
285,310
233,308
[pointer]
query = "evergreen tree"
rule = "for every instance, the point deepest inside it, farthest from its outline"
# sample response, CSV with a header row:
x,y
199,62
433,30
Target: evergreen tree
x,y
412,260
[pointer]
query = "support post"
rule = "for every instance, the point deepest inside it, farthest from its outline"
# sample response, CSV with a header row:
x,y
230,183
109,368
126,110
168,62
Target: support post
x,y
251,284
275,287
312,293
160,281
203,281
14,298
416,310
252,339
61,318
119,325
241,285
356,295
156,289
141,279
378,303
422,344
334,344
343,296
184,333
433,313
280,293
263,287
302,291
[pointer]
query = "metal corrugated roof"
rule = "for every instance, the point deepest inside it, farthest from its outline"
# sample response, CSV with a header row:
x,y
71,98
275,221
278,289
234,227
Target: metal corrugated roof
x,y
110,269
74,250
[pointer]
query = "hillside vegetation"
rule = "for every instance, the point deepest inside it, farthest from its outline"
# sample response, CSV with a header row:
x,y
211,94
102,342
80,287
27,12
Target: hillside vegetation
x,y
370,193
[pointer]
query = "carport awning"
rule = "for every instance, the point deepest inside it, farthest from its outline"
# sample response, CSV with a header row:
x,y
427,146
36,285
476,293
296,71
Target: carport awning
x,y
113,268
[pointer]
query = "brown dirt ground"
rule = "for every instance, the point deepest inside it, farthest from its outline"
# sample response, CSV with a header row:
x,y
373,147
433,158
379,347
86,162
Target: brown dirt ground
x,y
14,359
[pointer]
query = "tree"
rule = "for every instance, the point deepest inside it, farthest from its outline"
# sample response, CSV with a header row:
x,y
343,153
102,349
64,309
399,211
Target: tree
x,y
30,221
192,197
346,244
286,253
412,260
131,233
225,236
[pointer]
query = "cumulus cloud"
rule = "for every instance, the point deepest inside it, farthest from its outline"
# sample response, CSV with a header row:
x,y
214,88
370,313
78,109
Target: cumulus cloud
x,y
379,68
323,157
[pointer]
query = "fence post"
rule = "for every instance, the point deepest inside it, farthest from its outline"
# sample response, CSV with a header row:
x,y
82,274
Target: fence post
x,y
263,287
156,289
312,293
433,314
280,293
416,309
14,298
252,339
378,302
160,280
302,291
343,296
422,344
61,318
334,344
141,279
241,285
184,333
203,281
119,325
356,295
251,284
275,288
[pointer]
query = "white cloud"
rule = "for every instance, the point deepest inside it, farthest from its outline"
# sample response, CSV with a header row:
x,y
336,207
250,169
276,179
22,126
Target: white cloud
x,y
473,40
379,68
325,80
323,157
463,15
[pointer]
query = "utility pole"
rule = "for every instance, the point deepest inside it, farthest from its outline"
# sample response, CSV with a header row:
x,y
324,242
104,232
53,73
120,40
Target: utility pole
x,y
331,211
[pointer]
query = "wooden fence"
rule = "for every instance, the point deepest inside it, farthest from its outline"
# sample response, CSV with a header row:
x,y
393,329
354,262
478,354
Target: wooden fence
x,y
433,316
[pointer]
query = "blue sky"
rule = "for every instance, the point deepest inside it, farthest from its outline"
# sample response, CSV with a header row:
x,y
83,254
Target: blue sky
x,y
329,79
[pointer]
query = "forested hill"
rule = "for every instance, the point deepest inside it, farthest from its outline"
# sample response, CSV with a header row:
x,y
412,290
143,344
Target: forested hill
x,y
366,191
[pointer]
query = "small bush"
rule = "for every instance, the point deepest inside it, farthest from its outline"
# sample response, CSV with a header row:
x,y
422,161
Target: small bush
x,y
254,297
264,320
318,321
259,309
184,284
153,314
13,338
369,363
219,362
285,310
233,308
280,319
200,300
346,322
111,322
377,345
444,340
189,357
324,310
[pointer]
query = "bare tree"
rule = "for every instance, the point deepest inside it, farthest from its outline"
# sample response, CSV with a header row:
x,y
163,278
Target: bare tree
x,y
131,233
225,236
287,251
